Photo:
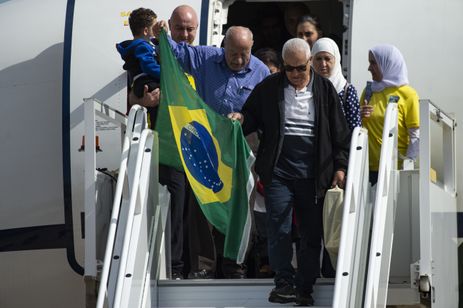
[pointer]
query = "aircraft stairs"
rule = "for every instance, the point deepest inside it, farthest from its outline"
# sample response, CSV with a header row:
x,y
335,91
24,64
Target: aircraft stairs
x,y
374,268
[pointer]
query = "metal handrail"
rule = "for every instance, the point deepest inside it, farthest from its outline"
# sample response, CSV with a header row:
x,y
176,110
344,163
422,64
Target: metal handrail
x,y
137,206
356,219
121,186
384,213
438,279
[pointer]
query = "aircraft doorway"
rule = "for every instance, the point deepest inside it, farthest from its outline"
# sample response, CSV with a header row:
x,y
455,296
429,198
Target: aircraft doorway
x,y
267,20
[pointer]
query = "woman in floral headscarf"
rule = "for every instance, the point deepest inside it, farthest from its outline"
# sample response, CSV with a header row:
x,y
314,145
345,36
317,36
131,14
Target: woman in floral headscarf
x,y
390,78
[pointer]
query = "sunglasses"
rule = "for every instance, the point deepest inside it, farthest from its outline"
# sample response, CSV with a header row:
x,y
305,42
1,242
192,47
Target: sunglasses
x,y
300,68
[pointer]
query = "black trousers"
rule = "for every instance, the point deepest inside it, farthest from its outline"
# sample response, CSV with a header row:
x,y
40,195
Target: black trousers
x,y
206,244
176,185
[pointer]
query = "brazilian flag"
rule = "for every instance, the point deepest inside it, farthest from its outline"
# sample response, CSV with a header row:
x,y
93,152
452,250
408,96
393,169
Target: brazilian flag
x,y
212,151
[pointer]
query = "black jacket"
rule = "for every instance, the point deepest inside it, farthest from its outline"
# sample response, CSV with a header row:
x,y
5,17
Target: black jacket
x,y
264,112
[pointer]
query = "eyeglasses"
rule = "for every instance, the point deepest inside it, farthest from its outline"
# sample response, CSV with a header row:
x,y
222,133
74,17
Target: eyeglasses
x,y
300,68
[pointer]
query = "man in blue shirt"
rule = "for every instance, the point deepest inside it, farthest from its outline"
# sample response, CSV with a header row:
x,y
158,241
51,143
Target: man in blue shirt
x,y
224,79
224,76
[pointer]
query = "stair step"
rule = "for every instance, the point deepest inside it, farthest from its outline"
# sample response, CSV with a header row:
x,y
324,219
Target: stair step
x,y
230,293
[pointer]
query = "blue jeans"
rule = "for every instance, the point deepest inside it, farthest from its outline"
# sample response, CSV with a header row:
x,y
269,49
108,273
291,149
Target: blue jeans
x,y
281,196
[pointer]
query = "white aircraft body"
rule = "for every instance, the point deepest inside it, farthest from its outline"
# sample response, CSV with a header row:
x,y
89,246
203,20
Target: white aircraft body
x,y
56,53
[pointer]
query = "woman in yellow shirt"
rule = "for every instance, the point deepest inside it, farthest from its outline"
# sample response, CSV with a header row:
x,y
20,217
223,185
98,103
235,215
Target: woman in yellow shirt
x,y
390,77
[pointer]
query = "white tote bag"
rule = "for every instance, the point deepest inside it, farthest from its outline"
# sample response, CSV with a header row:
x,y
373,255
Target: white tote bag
x,y
332,219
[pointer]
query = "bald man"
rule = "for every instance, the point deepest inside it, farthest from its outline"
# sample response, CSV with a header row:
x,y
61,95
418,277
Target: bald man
x,y
224,79
183,24
224,76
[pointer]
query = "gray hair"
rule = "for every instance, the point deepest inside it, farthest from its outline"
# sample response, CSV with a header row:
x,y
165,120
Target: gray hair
x,y
235,30
295,45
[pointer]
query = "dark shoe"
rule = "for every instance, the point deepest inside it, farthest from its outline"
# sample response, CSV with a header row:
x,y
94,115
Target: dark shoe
x,y
202,274
234,272
283,294
231,270
304,300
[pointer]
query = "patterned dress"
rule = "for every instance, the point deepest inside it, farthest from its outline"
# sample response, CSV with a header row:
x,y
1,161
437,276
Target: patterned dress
x,y
350,106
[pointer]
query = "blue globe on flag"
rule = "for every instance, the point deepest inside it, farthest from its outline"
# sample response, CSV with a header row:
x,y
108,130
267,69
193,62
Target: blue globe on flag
x,y
200,155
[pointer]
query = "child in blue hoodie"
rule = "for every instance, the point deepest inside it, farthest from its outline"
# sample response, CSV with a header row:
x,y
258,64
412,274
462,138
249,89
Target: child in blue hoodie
x,y
139,54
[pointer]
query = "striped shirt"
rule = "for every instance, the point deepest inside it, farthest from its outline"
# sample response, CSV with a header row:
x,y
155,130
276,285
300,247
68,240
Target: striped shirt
x,y
299,112
297,155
